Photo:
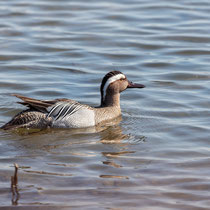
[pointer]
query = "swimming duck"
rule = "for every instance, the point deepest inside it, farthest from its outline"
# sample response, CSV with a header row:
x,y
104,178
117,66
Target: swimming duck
x,y
67,113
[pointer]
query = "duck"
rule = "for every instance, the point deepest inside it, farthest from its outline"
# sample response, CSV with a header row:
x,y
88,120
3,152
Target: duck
x,y
67,113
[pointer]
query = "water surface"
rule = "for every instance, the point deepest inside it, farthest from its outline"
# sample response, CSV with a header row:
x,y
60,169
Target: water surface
x,y
158,156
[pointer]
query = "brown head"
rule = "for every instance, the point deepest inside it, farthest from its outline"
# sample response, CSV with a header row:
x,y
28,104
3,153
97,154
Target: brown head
x,y
113,83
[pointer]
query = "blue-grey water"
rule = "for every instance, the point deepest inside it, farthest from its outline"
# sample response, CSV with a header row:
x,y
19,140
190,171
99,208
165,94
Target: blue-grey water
x,y
158,156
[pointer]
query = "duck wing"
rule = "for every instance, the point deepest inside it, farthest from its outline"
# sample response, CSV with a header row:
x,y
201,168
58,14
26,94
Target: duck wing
x,y
39,105
43,113
57,109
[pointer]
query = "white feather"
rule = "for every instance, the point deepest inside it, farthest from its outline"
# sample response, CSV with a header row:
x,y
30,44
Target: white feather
x,y
71,115
82,118
111,80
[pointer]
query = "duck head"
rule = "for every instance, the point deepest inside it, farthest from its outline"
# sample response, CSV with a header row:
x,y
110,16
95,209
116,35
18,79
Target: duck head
x,y
113,84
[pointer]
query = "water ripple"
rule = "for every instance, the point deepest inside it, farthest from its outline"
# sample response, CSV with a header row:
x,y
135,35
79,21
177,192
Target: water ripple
x,y
157,155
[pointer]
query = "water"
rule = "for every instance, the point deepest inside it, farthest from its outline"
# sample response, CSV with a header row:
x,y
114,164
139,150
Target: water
x,y
158,156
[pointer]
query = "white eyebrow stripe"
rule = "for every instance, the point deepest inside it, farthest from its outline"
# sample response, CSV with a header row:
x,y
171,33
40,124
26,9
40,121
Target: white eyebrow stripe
x,y
110,80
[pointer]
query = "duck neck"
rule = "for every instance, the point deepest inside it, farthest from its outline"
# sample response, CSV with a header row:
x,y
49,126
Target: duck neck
x,y
111,100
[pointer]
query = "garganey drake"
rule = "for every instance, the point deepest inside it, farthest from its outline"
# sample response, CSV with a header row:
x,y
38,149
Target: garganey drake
x,y
67,113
